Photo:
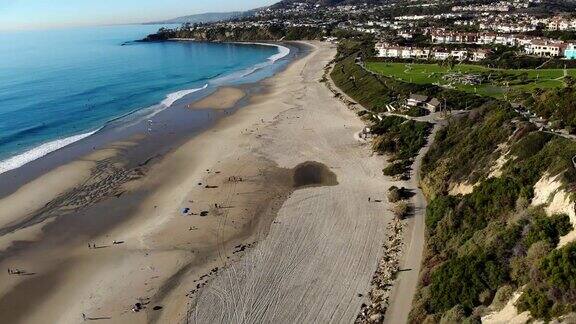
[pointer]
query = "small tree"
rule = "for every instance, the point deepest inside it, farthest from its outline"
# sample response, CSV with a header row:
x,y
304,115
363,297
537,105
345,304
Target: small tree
x,y
401,210
569,81
394,194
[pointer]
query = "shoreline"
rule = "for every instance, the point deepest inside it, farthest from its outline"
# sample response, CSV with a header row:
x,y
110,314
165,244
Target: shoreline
x,y
41,150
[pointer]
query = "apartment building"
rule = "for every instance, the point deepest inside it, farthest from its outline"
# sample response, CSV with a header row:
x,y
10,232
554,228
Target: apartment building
x,y
545,48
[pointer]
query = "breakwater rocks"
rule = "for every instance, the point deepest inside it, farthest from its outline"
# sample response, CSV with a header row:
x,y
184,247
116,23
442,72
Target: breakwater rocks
x,y
374,309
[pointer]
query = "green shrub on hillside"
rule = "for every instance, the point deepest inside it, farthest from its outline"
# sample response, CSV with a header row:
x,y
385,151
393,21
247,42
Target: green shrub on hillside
x,y
375,91
560,268
400,138
553,292
548,229
536,302
467,145
396,168
491,237
438,209
460,281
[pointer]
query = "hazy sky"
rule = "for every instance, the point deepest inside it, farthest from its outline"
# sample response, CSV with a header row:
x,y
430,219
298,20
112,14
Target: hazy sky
x,y
24,14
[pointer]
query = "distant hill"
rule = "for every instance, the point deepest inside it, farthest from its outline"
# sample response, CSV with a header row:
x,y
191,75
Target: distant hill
x,y
207,17
327,3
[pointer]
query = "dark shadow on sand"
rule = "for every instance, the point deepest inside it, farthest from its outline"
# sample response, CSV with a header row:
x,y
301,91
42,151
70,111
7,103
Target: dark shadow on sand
x,y
313,174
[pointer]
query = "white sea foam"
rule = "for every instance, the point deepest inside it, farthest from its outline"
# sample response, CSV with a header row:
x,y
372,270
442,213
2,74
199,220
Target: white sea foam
x,y
283,51
175,96
39,151
139,115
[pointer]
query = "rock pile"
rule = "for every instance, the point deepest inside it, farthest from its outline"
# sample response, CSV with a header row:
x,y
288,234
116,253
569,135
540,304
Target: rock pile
x,y
381,284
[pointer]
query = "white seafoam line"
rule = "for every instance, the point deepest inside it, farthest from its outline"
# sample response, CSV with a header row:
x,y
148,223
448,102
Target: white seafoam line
x,y
39,151
44,149
283,51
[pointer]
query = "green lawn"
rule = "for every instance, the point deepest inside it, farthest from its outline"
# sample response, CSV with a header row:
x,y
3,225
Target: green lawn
x,y
503,79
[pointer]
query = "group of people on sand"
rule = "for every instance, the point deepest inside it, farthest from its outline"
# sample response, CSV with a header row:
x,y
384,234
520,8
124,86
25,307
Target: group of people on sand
x,y
235,179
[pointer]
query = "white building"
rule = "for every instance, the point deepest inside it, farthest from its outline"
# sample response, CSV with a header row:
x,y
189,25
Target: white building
x,y
460,55
479,54
561,23
423,53
487,38
385,50
545,48
441,55
508,40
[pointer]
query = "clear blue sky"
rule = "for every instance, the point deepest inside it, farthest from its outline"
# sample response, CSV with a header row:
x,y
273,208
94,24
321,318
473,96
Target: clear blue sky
x,y
25,14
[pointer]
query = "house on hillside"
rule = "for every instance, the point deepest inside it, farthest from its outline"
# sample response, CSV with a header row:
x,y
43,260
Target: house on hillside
x,y
430,104
507,40
460,55
441,54
545,48
416,100
480,54
487,38
433,105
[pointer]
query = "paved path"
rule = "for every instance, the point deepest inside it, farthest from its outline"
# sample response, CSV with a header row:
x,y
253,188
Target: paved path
x,y
405,286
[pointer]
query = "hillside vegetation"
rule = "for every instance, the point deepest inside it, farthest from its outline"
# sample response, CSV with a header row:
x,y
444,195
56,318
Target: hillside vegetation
x,y
253,33
492,239
375,91
556,105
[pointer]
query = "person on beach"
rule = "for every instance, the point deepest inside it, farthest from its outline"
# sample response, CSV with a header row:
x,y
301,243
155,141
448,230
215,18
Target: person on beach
x,y
83,317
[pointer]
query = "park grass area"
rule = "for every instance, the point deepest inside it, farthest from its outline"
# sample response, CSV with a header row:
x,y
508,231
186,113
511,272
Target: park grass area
x,y
495,82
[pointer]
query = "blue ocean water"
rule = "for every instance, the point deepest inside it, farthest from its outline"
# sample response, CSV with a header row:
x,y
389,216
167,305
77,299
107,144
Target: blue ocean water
x,y
59,86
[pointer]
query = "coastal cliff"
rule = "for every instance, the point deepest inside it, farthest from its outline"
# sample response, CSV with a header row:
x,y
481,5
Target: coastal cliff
x,y
249,33
499,221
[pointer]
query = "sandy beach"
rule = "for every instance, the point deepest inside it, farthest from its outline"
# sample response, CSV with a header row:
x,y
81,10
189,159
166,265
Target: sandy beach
x,y
223,98
263,217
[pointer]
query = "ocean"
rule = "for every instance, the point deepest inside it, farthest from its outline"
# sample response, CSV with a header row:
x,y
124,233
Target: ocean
x,y
61,86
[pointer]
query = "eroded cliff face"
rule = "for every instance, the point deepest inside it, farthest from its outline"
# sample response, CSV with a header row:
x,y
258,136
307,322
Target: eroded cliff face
x,y
552,194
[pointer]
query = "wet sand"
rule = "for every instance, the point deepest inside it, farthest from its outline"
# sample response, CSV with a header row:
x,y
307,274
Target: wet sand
x,y
223,98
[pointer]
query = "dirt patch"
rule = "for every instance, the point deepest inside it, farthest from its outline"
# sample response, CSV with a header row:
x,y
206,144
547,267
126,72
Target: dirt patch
x,y
313,174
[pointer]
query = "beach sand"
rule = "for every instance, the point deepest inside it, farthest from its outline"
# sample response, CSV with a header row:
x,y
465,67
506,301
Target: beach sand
x,y
223,98
214,230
